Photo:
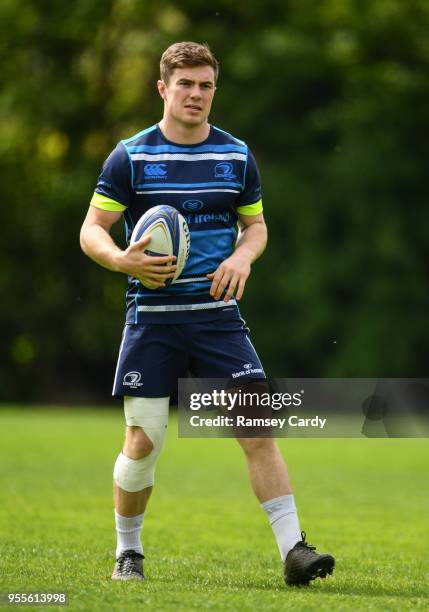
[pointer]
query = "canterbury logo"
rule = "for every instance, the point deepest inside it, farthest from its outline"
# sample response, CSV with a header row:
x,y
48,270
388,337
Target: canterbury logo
x,y
274,508
155,169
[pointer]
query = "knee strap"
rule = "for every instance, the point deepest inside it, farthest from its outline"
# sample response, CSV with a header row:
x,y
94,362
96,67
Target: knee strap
x,y
134,474
152,415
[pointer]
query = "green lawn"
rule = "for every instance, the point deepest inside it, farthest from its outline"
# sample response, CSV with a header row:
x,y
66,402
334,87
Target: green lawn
x,y
208,545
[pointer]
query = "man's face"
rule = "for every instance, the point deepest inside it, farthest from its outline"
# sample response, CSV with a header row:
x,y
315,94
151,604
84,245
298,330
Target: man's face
x,y
188,95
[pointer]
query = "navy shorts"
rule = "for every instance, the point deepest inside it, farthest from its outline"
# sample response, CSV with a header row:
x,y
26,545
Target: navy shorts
x,y
152,357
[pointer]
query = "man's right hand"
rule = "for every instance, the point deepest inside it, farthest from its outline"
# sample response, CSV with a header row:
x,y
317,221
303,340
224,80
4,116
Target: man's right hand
x,y
151,270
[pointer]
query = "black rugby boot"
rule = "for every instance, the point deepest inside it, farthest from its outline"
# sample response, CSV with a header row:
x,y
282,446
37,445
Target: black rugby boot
x,y
303,564
128,566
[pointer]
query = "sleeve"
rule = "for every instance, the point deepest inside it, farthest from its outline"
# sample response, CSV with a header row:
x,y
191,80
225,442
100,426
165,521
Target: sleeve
x,y
249,202
114,191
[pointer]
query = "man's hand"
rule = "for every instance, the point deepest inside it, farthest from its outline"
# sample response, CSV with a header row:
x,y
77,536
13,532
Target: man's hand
x,y
97,243
150,270
232,273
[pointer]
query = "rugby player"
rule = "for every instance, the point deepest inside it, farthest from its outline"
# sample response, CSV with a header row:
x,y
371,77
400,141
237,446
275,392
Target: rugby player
x,y
212,178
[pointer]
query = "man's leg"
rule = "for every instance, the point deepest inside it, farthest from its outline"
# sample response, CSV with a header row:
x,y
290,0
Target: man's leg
x,y
137,445
219,350
131,505
271,485
134,478
270,482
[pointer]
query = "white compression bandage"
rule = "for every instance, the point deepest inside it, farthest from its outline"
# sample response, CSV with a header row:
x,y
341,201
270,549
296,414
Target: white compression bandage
x,y
150,413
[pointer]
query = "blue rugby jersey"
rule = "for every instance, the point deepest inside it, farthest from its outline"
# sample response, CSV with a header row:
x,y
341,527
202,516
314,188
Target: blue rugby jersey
x,y
210,183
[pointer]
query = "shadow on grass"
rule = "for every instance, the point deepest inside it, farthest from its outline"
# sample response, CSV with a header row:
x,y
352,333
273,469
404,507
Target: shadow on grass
x,y
331,587
273,582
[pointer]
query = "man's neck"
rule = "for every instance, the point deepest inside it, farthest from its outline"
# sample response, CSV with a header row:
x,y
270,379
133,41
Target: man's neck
x,y
181,134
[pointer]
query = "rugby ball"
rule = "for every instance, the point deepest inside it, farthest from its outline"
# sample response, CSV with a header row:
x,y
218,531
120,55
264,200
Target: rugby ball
x,y
170,236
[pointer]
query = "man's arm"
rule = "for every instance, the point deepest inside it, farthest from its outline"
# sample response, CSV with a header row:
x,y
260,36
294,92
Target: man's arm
x,y
234,271
96,242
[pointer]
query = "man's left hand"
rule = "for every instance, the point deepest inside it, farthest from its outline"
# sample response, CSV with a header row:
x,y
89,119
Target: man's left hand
x,y
232,275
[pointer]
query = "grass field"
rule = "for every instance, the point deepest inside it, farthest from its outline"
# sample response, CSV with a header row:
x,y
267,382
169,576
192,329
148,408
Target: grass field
x,y
208,545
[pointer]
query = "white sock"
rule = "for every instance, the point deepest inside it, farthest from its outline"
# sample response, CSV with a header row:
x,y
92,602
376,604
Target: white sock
x,y
281,512
128,533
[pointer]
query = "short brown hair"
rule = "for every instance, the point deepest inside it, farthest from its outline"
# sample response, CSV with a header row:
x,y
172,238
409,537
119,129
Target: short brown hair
x,y
186,54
